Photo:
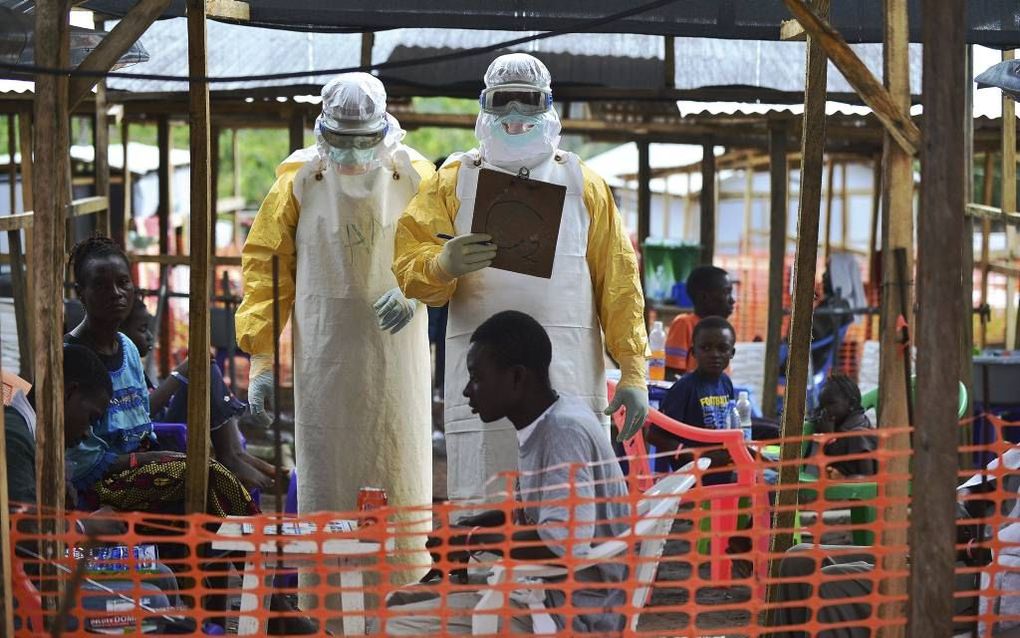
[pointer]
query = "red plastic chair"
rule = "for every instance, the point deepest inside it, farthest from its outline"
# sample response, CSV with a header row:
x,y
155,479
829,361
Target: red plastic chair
x,y
29,606
723,500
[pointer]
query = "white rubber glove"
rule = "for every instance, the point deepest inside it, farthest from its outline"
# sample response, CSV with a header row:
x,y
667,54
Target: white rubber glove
x,y
467,253
394,310
260,387
635,404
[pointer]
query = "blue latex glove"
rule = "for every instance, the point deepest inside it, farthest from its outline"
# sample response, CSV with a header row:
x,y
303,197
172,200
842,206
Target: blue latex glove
x,y
260,386
634,401
394,310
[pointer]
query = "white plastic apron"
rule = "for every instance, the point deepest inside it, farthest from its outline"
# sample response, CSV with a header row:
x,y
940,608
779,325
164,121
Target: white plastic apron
x,y
563,304
362,397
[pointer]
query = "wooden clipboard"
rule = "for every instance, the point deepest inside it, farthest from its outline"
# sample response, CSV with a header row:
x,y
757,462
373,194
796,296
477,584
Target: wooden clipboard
x,y
523,217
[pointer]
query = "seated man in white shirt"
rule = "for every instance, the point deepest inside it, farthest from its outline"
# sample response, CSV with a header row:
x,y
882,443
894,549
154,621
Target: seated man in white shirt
x,y
564,451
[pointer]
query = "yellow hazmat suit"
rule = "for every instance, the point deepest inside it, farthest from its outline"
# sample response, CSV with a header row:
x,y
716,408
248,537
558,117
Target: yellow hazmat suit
x,y
594,290
362,394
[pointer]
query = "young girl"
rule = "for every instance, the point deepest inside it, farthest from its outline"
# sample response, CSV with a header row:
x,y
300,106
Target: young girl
x,y
117,464
840,411
168,403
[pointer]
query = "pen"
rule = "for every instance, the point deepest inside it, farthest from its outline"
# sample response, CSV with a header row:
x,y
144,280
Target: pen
x,y
448,238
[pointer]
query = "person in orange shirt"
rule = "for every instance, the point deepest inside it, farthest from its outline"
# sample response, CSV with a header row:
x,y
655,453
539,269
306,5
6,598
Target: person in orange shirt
x,y
711,292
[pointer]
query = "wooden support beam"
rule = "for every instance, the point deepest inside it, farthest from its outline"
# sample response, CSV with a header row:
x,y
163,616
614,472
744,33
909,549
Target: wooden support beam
x,y
876,211
1004,269
1008,185
19,284
228,10
164,176
367,44
933,503
644,194
745,235
197,479
992,213
966,432
895,119
778,183
116,44
101,144
986,229
805,265
830,186
791,30
669,62
296,132
708,203
51,153
897,235
87,206
127,187
26,144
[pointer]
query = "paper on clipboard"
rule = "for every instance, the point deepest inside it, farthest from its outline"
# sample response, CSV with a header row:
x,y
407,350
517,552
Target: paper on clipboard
x,y
523,217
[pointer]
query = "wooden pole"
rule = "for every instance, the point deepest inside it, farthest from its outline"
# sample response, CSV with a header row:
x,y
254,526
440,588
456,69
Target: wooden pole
x,y
27,185
1008,186
897,233
933,505
986,230
128,184
779,181
967,251
165,178
644,193
296,131
367,44
876,203
101,144
708,201
201,259
6,586
19,287
748,199
830,179
50,195
669,62
844,207
805,265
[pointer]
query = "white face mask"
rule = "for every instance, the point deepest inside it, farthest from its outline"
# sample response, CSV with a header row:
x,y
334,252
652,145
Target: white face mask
x,y
352,161
515,140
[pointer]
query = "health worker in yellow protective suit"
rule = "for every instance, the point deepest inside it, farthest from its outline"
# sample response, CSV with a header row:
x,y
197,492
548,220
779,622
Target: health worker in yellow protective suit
x,y
361,355
594,288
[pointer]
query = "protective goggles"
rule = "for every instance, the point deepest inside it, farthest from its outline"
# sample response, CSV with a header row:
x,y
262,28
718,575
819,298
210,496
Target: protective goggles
x,y
523,98
360,141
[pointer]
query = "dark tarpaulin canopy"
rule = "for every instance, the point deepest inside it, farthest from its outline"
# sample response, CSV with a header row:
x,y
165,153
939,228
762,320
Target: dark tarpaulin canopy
x,y
993,23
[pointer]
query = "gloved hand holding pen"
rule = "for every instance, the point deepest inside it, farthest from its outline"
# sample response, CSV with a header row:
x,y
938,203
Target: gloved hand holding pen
x,y
466,253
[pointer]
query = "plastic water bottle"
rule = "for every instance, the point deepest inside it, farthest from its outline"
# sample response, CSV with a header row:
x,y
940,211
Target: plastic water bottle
x,y
744,414
657,343
732,421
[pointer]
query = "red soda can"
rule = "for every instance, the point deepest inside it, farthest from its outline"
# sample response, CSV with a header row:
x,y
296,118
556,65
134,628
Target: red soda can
x,y
371,498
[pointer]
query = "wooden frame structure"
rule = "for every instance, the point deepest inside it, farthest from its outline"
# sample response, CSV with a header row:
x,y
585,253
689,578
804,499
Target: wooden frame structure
x,y
942,206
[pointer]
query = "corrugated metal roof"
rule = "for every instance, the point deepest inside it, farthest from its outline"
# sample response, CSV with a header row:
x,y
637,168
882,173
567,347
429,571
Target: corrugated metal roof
x,y
993,22
611,60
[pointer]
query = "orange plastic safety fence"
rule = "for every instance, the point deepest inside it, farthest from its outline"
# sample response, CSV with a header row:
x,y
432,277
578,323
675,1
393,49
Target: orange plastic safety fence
x,y
568,549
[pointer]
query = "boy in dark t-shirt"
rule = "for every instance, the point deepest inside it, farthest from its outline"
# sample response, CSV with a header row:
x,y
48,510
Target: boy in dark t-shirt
x,y
700,398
